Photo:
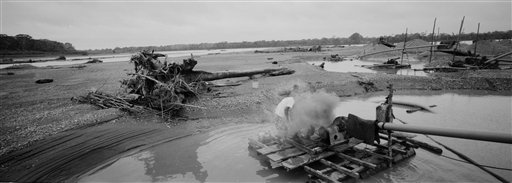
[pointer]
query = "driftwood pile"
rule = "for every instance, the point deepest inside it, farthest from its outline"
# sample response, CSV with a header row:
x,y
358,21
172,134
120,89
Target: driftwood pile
x,y
165,87
105,101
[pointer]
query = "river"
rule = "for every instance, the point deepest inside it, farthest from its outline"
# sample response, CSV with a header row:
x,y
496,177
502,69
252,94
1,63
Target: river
x,y
70,60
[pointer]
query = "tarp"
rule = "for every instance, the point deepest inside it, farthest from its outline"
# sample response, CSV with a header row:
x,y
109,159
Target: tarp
x,y
362,129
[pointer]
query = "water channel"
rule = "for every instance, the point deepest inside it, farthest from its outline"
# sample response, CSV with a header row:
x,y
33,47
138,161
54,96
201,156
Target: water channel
x,y
361,66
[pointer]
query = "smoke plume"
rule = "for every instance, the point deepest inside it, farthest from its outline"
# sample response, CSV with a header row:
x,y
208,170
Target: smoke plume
x,y
312,109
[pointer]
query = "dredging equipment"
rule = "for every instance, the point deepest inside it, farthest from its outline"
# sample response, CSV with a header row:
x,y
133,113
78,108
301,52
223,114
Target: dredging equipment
x,y
350,148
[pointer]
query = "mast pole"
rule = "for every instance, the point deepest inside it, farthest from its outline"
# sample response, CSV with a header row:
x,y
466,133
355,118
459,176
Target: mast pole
x,y
433,32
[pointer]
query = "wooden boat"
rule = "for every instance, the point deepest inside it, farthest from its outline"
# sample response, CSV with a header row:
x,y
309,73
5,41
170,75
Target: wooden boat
x,y
388,66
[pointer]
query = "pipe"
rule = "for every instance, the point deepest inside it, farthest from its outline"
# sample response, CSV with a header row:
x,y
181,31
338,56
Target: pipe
x,y
457,133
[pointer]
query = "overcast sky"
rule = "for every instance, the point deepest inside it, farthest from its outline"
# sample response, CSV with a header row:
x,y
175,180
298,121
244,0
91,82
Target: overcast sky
x,y
108,24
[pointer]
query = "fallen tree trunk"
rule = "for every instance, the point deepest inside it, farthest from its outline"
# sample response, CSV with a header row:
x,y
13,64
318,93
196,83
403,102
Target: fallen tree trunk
x,y
208,76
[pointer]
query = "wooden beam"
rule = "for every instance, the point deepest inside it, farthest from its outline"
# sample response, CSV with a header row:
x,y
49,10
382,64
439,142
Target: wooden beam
x,y
405,41
433,29
476,39
340,168
319,174
357,161
458,37
373,153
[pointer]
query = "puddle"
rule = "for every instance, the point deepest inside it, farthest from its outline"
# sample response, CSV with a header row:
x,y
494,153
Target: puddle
x,y
357,66
222,155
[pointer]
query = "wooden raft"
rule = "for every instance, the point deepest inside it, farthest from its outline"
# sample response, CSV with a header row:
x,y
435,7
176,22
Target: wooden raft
x,y
343,162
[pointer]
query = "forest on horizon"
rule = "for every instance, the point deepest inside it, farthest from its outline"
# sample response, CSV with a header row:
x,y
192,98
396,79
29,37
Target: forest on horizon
x,y
25,44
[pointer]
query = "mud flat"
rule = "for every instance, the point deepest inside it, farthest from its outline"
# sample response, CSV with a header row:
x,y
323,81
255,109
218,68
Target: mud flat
x,y
39,120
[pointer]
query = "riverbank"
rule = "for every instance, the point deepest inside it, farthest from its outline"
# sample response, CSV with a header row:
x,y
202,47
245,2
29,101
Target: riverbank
x,y
33,113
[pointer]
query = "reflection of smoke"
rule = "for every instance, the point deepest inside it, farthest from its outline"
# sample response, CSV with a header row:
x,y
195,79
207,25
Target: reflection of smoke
x,y
314,109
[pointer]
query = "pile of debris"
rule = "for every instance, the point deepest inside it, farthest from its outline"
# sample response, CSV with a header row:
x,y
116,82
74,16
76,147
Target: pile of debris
x,y
165,87
335,58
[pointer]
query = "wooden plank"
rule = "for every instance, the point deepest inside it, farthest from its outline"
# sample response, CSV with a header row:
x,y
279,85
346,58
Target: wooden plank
x,y
298,161
357,161
342,147
273,148
373,153
303,147
256,144
392,147
340,168
285,154
319,174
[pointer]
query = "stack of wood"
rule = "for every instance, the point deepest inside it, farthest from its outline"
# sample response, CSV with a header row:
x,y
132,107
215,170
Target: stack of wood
x,y
105,101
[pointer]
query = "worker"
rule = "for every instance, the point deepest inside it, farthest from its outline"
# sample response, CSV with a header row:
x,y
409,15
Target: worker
x,y
283,111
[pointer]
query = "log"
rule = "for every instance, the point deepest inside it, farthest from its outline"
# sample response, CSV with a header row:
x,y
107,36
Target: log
x,y
416,107
208,76
498,57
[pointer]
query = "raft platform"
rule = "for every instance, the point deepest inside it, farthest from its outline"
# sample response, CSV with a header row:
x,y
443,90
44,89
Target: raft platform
x,y
346,161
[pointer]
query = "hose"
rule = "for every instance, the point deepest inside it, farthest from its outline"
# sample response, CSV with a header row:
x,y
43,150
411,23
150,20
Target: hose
x,y
464,157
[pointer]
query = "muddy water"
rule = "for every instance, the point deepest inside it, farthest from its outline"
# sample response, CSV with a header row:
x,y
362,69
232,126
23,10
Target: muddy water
x,y
457,110
218,156
222,155
357,66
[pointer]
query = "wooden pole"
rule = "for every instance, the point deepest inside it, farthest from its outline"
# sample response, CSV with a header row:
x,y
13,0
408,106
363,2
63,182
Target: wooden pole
x,y
405,40
433,32
458,37
389,114
476,39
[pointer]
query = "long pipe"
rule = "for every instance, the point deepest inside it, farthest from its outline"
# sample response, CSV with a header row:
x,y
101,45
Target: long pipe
x,y
457,133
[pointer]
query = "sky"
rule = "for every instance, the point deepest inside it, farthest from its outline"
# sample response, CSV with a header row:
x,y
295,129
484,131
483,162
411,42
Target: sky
x,y
95,24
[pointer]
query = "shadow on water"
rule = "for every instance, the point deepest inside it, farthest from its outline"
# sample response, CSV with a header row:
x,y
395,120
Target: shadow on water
x,y
219,156
172,161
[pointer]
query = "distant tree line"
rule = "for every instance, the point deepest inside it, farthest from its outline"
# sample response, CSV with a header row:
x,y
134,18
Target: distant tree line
x,y
444,36
355,38
23,43
226,45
